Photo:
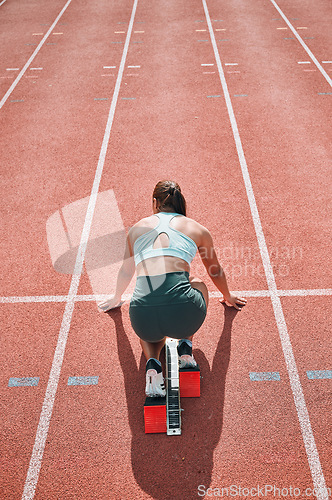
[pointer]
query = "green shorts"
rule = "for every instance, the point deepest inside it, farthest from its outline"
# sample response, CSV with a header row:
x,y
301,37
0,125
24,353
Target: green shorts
x,y
166,305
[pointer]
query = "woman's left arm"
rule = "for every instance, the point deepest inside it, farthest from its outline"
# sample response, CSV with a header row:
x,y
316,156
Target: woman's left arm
x,y
125,275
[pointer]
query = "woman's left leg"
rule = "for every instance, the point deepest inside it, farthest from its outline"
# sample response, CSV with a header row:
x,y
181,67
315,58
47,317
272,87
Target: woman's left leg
x,y
152,349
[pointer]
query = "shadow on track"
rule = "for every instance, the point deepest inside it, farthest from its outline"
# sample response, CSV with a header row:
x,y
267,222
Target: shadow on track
x,y
168,467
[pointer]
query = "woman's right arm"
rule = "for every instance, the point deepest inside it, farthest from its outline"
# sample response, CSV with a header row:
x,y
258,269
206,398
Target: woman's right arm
x,y
216,272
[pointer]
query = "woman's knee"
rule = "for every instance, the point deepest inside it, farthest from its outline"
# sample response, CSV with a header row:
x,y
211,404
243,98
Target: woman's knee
x,y
201,286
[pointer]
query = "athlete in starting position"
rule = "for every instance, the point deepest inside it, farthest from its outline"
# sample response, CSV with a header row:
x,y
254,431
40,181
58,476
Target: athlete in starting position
x,y
167,301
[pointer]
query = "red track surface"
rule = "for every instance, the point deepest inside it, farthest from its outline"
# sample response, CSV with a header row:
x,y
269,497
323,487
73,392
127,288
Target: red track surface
x,y
239,432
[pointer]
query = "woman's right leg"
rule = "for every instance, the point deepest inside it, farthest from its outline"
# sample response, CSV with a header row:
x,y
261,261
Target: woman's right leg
x,y
201,286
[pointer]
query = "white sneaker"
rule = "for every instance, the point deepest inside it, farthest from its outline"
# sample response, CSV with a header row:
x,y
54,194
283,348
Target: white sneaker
x,y
155,385
187,361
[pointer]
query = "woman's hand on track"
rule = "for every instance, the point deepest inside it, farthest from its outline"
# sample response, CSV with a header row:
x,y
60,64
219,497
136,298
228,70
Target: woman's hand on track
x,y
110,303
234,301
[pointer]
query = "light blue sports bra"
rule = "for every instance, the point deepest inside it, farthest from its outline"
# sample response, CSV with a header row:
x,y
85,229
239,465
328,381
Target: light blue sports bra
x,y
180,245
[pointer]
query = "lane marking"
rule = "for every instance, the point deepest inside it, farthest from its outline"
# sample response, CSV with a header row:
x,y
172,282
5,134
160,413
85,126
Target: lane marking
x,y
207,64
101,99
327,62
12,69
53,381
37,34
213,95
240,95
303,62
301,408
260,376
319,374
306,48
36,69
133,66
23,382
208,72
3,1
128,98
119,31
200,30
220,29
26,299
31,58
17,100
109,67
139,31
302,28
83,380
282,28
231,64
324,93
57,33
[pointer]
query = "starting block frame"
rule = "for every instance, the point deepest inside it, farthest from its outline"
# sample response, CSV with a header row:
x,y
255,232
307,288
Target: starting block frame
x,y
163,415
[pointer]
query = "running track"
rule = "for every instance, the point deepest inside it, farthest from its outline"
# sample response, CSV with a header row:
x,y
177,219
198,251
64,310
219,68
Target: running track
x,y
233,100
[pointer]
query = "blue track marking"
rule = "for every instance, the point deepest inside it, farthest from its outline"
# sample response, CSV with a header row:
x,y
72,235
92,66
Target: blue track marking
x,y
83,380
260,376
23,382
319,374
324,93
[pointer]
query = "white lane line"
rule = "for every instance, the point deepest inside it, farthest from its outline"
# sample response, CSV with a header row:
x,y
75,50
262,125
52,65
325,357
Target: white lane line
x,y
12,69
3,1
31,58
306,48
302,412
52,385
305,293
25,299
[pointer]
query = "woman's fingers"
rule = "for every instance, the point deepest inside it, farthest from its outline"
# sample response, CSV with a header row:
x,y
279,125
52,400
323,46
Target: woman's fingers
x,y
236,302
110,304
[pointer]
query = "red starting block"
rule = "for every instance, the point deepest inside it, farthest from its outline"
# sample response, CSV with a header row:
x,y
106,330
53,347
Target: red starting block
x,y
164,414
155,415
190,382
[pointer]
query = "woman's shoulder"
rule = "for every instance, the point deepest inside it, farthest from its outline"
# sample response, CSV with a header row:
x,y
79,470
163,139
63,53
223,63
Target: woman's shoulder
x,y
146,222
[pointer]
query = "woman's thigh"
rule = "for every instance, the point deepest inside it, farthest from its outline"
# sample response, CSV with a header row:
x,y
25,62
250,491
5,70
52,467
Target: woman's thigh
x,y
201,286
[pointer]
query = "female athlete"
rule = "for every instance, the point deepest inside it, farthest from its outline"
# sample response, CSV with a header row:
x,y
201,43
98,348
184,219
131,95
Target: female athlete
x,y
167,301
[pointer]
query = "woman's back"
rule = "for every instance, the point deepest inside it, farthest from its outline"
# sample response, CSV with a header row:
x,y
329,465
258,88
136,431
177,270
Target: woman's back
x,y
171,230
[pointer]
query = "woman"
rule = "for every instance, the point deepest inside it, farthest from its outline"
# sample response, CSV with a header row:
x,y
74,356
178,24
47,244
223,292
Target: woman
x,y
167,301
